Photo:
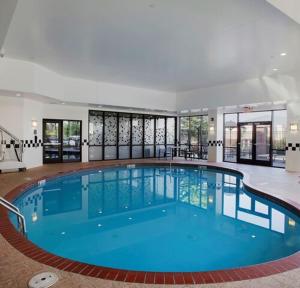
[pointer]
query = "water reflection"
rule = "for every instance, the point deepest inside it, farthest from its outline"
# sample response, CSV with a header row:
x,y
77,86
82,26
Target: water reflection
x,y
112,192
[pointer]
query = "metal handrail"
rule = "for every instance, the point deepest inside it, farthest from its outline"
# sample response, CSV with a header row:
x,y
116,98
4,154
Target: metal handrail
x,y
10,134
15,138
12,208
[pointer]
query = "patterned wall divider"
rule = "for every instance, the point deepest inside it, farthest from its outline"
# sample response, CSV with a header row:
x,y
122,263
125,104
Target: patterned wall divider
x,y
116,135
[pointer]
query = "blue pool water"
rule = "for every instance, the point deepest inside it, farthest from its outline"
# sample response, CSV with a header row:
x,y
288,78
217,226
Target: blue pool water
x,y
157,219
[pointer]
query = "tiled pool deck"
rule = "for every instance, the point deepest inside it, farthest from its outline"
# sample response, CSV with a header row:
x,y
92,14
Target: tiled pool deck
x,y
17,269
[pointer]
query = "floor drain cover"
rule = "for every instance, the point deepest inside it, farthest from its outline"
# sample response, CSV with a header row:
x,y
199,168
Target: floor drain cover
x,y
43,280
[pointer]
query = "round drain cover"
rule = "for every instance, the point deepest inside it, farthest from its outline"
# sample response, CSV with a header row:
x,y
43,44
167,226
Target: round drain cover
x,y
43,280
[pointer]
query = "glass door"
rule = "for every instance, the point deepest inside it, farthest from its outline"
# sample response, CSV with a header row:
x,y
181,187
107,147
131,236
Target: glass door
x,y
263,144
62,141
245,143
71,148
254,143
52,141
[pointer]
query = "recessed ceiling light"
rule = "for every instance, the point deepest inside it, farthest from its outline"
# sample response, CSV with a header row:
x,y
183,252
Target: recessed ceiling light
x,y
18,94
100,106
283,54
275,69
63,103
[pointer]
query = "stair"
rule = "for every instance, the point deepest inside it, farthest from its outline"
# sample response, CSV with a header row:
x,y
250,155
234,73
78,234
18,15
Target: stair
x,y
11,152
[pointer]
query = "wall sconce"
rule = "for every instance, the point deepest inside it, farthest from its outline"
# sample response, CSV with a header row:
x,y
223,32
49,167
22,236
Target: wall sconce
x,y
34,124
293,127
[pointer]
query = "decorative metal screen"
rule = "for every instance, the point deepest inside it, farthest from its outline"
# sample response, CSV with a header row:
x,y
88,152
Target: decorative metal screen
x,y
114,135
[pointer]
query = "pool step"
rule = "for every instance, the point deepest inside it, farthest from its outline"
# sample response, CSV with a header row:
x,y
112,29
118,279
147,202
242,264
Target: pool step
x,y
11,166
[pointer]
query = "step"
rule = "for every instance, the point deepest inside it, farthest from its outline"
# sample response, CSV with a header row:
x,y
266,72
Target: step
x,y
11,166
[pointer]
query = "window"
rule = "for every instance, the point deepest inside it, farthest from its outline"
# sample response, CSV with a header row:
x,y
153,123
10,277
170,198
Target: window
x,y
230,135
114,135
255,116
194,134
278,118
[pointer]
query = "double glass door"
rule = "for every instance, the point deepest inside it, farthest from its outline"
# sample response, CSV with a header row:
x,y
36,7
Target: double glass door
x,y
254,143
62,141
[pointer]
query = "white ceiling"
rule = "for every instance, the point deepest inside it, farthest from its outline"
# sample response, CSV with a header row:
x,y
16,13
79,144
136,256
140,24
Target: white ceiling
x,y
173,45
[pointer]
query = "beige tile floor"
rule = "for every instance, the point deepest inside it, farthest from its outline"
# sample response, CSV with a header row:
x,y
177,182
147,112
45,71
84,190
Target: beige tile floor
x,y
16,269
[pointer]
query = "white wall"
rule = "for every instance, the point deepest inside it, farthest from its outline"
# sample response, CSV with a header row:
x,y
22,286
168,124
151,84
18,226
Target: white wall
x,y
266,89
293,137
11,115
16,75
16,115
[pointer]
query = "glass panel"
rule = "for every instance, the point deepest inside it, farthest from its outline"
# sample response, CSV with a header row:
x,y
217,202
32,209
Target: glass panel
x,y
95,153
230,137
279,137
230,154
71,140
95,128
149,151
246,141
110,152
137,130
171,130
149,131
230,120
52,141
124,152
263,138
203,139
137,151
256,116
124,130
160,151
194,130
160,130
204,130
110,132
184,130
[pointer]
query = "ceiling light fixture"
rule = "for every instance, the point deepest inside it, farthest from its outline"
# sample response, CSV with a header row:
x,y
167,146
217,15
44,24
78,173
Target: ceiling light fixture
x,y
283,54
18,94
63,103
275,69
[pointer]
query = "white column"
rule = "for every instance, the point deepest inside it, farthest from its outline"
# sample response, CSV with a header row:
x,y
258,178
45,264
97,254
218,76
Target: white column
x,y
215,136
293,136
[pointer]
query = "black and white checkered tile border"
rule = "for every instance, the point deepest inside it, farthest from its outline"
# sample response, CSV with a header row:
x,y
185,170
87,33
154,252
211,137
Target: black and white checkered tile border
x,y
215,143
30,143
293,147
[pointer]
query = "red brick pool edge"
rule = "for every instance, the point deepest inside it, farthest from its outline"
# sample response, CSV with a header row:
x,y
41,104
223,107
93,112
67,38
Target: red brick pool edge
x,y
25,246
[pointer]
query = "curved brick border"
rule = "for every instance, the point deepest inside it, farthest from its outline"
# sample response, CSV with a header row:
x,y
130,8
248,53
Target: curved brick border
x,y
29,249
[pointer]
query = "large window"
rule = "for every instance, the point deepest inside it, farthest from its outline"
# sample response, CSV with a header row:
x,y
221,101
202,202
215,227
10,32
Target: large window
x,y
232,121
114,135
194,134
